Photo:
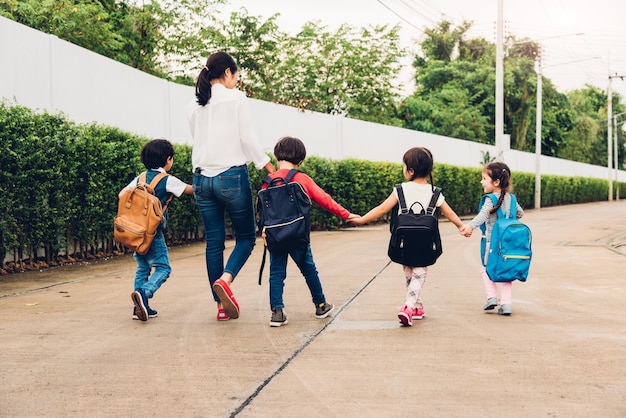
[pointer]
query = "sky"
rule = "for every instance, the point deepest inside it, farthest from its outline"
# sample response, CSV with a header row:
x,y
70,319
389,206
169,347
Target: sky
x,y
583,40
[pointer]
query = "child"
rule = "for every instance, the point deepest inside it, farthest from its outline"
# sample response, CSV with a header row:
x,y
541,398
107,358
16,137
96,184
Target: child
x,y
417,167
496,178
290,152
157,156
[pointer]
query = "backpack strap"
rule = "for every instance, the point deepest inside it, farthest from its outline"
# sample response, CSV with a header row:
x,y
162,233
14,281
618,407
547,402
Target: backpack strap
x,y
262,264
290,175
401,200
494,200
267,180
154,183
432,206
513,208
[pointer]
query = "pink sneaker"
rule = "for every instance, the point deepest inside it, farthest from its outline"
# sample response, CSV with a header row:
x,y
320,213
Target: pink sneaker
x,y
418,313
406,316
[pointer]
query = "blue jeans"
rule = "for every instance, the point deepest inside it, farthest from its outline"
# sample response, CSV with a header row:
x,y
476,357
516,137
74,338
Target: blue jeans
x,y
303,258
156,258
229,192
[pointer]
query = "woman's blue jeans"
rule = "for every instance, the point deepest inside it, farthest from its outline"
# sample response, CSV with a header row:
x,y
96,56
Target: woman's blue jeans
x,y
303,258
228,192
156,258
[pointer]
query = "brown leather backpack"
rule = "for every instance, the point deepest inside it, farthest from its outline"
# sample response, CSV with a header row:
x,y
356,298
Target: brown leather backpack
x,y
139,214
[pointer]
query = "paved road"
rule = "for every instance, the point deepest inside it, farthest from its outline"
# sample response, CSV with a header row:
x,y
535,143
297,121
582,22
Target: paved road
x,y
68,346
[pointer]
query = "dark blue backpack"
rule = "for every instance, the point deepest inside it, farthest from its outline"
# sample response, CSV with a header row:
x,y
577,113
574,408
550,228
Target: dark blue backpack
x,y
510,247
284,215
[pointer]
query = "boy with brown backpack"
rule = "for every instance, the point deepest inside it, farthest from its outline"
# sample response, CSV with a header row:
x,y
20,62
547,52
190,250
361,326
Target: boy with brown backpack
x,y
158,157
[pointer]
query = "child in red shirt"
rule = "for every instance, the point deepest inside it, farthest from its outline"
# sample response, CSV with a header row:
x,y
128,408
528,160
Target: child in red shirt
x,y
290,152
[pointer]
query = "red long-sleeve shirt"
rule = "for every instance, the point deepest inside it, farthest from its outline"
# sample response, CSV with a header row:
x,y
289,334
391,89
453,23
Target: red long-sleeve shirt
x,y
315,192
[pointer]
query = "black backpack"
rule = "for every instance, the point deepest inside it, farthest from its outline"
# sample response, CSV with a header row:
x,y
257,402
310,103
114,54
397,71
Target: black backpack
x,y
284,215
415,239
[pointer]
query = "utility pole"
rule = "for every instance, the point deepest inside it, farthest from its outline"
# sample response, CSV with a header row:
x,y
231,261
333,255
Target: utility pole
x,y
615,160
499,82
610,134
538,135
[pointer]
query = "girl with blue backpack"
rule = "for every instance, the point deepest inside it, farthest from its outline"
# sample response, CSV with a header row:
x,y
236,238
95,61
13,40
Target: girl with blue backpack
x,y
496,180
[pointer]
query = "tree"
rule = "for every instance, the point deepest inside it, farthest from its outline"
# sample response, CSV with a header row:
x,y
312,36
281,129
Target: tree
x,y
588,139
348,72
154,36
84,23
454,94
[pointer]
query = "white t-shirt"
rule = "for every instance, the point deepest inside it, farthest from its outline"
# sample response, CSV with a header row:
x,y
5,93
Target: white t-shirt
x,y
172,184
223,133
422,193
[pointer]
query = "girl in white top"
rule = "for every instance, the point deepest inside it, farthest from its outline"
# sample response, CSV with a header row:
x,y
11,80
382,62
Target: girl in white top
x,y
224,143
417,166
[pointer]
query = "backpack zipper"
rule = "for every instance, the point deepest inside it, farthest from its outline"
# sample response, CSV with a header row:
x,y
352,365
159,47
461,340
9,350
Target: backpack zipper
x,y
284,223
521,257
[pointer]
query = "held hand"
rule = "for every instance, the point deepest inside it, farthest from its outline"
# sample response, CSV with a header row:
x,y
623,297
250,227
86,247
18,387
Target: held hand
x,y
355,219
466,230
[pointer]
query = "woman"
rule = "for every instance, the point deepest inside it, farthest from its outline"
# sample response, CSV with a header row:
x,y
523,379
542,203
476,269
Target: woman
x,y
224,143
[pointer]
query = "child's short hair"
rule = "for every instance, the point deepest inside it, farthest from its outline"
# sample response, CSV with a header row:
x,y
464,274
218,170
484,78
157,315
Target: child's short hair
x,y
155,153
290,149
420,160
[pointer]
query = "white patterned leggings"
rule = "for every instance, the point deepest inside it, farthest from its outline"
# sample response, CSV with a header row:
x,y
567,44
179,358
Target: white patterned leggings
x,y
415,278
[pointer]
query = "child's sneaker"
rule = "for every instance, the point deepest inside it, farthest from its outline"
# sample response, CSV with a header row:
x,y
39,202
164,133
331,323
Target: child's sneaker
x,y
222,315
491,304
418,313
141,301
406,316
151,313
278,318
505,310
323,310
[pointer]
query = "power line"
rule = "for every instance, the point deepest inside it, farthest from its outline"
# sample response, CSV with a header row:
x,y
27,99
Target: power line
x,y
400,16
418,12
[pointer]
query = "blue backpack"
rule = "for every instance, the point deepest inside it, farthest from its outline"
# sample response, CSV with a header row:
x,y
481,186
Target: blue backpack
x,y
510,248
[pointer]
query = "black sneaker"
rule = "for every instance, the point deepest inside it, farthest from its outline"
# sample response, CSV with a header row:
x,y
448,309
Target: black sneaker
x,y
323,310
151,313
141,302
278,318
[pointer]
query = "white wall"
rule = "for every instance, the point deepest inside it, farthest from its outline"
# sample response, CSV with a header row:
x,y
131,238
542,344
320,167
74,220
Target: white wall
x,y
43,72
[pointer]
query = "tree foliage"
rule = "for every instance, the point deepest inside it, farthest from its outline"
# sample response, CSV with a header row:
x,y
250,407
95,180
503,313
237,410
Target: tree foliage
x,y
455,93
349,71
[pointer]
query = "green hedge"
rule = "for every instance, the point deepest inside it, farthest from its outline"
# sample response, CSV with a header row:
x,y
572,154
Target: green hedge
x,y
59,182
